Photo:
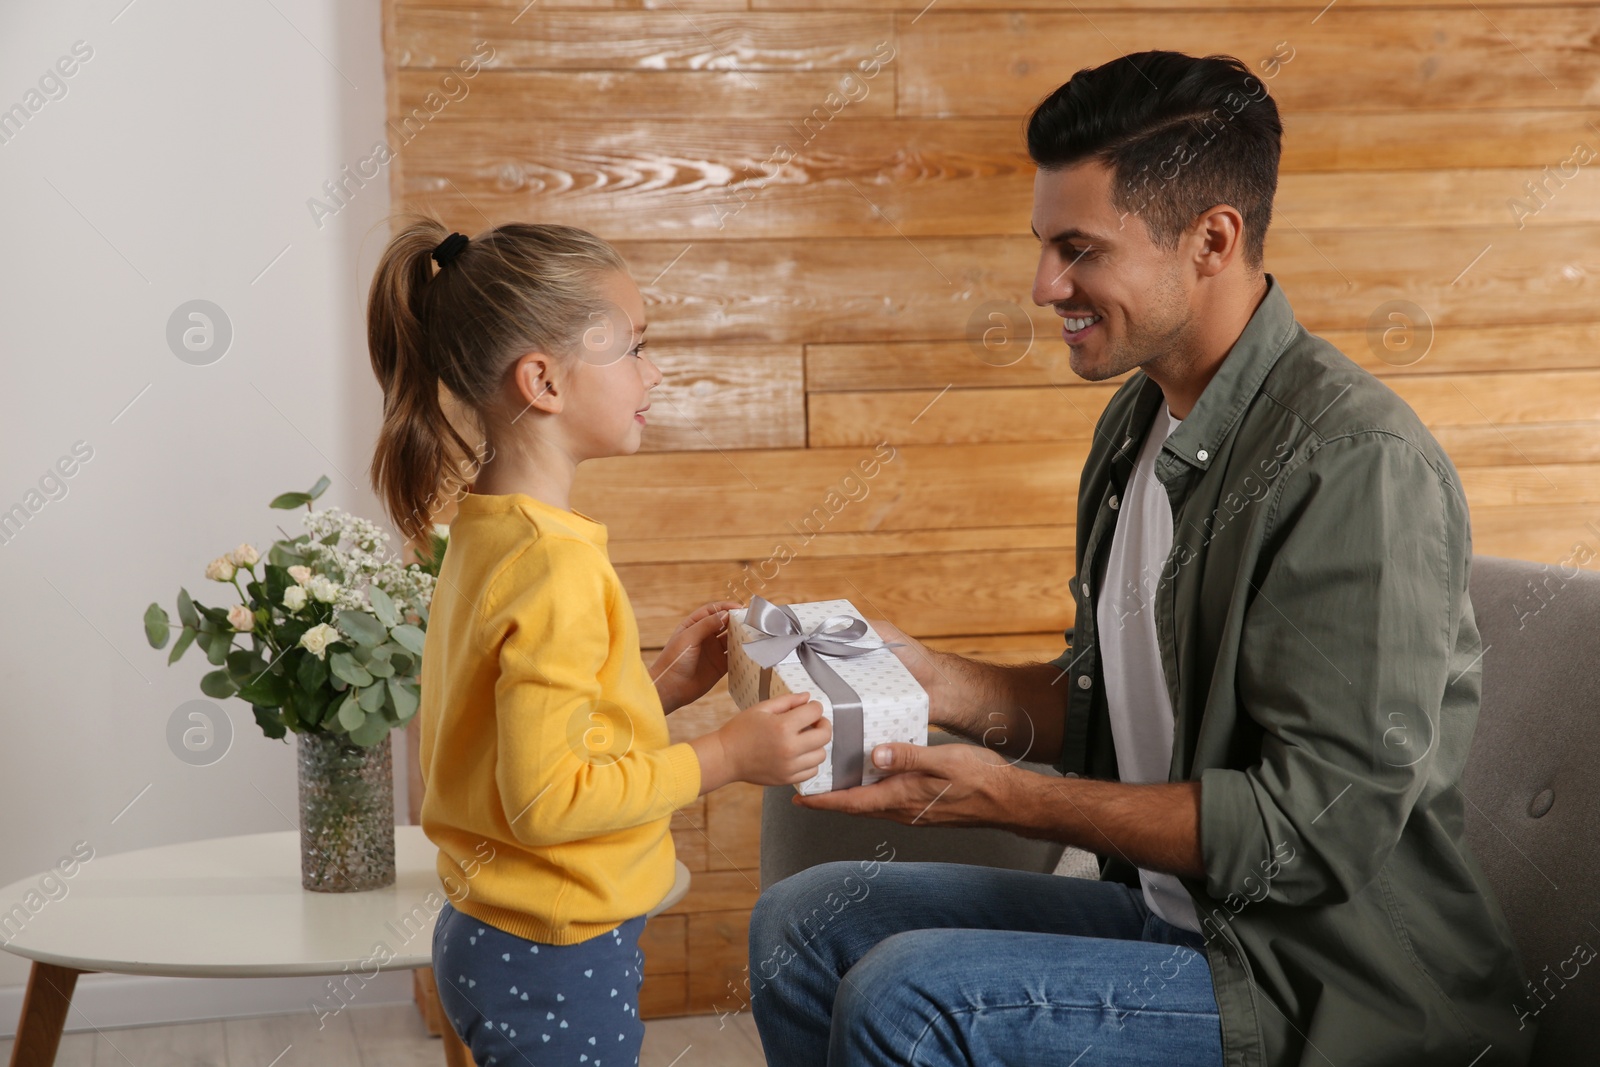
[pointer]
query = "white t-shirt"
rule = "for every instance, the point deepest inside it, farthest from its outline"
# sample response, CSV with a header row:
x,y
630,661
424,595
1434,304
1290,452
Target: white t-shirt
x,y
1136,688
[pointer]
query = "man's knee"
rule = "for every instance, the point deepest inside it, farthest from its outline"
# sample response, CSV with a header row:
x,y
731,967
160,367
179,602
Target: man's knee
x,y
887,995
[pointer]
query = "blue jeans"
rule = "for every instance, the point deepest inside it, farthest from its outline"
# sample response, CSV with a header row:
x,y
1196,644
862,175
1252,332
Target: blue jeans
x,y
516,1002
942,964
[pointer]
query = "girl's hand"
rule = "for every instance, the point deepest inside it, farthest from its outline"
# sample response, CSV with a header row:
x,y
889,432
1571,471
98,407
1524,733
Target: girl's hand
x,y
695,656
776,742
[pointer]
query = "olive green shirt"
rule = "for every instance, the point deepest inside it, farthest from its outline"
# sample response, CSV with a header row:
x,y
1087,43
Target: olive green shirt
x,y
1324,666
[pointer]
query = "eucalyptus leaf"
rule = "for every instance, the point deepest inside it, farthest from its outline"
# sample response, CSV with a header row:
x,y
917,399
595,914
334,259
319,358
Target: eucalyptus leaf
x,y
185,639
379,667
371,732
350,713
404,698
344,667
218,685
157,628
361,626
186,610
320,488
287,501
383,606
409,637
371,698
217,651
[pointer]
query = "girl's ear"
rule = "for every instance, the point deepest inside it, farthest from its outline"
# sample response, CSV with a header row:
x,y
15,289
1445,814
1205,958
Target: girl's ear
x,y
536,384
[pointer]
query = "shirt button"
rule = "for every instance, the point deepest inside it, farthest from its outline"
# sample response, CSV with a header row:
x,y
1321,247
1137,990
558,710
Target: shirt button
x,y
1114,502
1203,455
1084,682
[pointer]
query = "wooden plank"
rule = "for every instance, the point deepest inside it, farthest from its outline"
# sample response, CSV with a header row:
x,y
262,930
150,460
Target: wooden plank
x,y
1042,360
721,959
1067,413
1008,354
1495,399
546,39
873,289
665,943
512,7
797,494
1017,591
664,995
1476,446
726,397
870,289
1222,7
956,63
849,177
1541,534
1003,648
876,543
1417,139
717,891
1531,484
733,824
510,97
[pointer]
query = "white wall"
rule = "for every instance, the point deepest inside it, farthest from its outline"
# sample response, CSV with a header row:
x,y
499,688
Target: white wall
x,y
177,166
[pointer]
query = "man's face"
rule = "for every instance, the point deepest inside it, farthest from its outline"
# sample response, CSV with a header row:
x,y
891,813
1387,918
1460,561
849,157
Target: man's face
x,y
1096,263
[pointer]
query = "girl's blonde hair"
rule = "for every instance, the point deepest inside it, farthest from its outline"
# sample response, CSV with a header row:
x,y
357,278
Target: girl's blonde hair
x,y
513,289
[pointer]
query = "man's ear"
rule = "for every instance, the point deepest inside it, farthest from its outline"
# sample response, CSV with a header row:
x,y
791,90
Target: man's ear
x,y
535,376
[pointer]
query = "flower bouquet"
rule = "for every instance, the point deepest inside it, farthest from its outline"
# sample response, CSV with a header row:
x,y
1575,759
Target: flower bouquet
x,y
334,626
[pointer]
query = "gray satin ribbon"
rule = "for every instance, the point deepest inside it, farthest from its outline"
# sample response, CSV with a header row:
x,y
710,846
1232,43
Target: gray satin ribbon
x,y
781,634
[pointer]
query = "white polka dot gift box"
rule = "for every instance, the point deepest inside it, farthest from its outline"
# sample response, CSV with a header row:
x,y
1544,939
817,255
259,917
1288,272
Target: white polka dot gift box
x,y
827,649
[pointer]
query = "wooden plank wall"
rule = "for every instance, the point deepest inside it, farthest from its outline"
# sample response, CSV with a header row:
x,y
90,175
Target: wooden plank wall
x,y
818,197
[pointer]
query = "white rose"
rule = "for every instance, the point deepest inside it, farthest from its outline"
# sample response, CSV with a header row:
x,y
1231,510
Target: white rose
x,y
220,569
294,598
240,618
323,588
244,556
317,639
300,574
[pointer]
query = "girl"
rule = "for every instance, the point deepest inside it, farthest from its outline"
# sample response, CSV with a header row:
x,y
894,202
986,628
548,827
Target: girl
x,y
550,778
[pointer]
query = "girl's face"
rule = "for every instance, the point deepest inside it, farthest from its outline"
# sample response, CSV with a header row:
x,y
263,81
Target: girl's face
x,y
610,379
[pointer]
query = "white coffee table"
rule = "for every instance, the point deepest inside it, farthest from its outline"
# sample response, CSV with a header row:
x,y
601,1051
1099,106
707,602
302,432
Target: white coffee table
x,y
228,907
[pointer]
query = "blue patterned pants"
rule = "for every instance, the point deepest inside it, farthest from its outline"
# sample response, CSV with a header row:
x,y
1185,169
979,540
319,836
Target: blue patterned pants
x,y
517,1002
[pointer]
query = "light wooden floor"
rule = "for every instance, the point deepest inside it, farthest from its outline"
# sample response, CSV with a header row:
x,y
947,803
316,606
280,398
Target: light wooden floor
x,y
385,1036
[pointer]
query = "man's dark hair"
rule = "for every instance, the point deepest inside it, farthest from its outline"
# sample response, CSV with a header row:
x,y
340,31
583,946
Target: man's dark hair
x,y
1181,134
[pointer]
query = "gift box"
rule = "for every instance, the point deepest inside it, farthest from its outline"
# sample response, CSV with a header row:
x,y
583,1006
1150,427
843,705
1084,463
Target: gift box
x,y
826,648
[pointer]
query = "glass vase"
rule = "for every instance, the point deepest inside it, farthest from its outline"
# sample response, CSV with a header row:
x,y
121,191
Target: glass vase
x,y
346,814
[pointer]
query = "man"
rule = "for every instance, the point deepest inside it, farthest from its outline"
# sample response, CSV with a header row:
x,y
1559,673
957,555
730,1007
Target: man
x,y
1264,707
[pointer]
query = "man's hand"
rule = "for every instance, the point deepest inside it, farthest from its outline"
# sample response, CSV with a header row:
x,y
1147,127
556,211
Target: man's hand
x,y
934,785
1155,826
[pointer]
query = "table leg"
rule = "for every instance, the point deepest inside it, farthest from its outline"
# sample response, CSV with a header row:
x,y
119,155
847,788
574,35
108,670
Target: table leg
x,y
426,991
44,1014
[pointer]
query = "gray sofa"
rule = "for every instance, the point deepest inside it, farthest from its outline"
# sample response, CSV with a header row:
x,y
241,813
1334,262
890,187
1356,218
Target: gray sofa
x,y
1531,822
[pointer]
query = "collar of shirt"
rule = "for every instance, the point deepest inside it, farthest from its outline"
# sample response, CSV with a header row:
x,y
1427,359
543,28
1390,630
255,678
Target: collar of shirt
x,y
1222,402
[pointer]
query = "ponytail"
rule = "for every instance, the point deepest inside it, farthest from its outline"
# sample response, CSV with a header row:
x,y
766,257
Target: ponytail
x,y
416,440
517,288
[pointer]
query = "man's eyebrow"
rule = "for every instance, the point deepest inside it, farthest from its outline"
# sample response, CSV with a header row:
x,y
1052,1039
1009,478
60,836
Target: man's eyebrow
x,y
1074,234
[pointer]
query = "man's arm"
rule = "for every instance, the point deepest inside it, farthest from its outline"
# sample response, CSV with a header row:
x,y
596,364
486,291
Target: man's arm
x,y
1018,710
1154,826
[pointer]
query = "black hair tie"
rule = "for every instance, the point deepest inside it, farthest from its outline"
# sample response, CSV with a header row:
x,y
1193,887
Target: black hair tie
x,y
449,248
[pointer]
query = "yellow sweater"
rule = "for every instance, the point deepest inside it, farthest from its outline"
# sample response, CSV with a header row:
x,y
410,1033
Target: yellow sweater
x,y
550,779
